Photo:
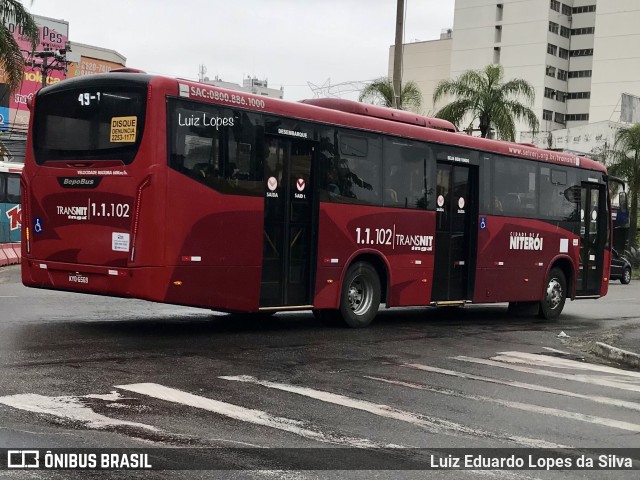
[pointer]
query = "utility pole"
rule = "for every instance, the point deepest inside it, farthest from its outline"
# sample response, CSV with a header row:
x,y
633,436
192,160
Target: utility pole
x,y
50,60
397,54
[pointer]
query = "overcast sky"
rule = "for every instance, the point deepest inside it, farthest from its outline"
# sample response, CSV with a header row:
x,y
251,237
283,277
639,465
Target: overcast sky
x,y
289,42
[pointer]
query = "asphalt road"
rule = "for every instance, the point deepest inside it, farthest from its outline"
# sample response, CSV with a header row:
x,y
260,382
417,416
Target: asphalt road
x,y
82,371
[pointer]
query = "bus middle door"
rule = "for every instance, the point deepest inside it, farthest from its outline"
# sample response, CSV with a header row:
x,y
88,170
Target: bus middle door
x,y
288,222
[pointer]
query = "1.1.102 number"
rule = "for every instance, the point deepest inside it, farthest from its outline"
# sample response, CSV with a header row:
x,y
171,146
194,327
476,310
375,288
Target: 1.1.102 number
x,y
380,236
118,210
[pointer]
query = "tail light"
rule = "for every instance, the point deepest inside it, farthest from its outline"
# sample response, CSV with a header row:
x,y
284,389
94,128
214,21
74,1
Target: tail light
x,y
25,214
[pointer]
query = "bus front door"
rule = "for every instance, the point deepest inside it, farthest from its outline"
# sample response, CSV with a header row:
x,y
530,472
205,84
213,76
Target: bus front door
x,y
593,230
455,191
288,212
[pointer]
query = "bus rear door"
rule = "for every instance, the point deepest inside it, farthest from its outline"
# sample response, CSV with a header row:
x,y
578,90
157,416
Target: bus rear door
x,y
456,202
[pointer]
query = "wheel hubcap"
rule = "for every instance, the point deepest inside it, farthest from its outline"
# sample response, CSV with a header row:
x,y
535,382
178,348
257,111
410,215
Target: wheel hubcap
x,y
554,294
627,276
359,295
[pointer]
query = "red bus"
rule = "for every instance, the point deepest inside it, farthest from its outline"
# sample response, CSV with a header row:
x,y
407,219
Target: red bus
x,y
173,191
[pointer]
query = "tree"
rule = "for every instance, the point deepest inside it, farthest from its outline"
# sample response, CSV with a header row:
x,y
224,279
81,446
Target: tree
x,y
11,58
482,95
625,163
380,91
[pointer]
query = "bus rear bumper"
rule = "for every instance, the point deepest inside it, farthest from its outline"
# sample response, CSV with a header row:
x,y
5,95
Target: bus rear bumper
x,y
96,279
232,289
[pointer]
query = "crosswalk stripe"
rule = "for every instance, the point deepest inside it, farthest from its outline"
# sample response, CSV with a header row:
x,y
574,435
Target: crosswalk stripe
x,y
249,415
546,360
564,376
432,424
70,408
607,422
526,386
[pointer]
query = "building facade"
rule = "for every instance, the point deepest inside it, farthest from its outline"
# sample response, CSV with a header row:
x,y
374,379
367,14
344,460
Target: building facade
x,y
63,58
249,85
581,56
88,59
426,63
53,36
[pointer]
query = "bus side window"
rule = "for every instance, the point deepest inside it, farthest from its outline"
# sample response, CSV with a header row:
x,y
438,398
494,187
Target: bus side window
x,y
3,187
13,189
224,158
406,169
350,168
329,181
559,197
515,187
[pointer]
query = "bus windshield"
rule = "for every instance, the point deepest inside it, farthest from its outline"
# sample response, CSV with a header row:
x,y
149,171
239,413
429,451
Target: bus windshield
x,y
107,124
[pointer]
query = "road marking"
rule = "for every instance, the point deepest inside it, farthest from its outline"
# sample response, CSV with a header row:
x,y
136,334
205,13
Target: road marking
x,y
527,407
249,415
546,360
8,296
547,373
67,407
432,424
526,386
555,350
107,397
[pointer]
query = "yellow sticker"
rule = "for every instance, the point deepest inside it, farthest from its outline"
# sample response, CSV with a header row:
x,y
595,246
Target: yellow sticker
x,y
123,129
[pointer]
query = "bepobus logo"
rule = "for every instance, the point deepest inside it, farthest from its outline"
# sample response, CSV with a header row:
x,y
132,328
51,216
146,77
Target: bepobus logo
x,y
79,182
23,459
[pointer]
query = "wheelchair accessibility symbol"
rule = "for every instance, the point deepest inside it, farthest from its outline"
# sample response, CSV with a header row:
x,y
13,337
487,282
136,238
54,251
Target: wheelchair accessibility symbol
x,y
483,223
37,225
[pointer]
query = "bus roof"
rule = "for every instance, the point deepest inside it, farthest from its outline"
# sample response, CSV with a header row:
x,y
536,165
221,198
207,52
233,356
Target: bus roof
x,y
376,111
342,113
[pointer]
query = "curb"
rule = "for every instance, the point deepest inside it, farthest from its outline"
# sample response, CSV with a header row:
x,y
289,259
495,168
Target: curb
x,y
10,254
618,355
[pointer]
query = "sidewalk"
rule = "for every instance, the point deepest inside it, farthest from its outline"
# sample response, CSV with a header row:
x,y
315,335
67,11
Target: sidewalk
x,y
10,254
623,348
618,346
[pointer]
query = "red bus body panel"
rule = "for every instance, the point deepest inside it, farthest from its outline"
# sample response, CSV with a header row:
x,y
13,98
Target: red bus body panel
x,y
502,275
409,272
192,245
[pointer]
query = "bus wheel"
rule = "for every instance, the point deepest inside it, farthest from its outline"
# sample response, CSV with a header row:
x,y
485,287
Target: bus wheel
x,y
360,297
555,295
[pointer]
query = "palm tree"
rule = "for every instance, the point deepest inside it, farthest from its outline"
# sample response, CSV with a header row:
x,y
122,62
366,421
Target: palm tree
x,y
625,163
482,95
380,92
11,58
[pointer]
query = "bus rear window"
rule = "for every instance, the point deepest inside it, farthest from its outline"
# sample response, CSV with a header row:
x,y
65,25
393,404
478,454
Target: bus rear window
x,y
89,124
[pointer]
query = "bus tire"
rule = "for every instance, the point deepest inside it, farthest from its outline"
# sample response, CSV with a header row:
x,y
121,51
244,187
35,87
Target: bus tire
x,y
360,296
554,296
